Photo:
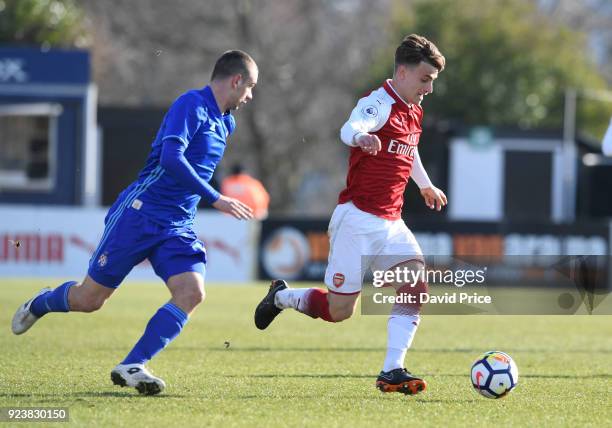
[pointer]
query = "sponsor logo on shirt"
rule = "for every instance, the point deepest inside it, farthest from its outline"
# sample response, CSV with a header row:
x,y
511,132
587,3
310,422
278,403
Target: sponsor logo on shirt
x,y
400,149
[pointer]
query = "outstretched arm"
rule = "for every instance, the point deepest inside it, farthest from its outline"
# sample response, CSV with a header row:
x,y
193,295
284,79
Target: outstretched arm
x,y
174,162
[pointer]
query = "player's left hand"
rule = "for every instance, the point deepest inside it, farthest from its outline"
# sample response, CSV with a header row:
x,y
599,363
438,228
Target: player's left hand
x,y
233,207
369,143
434,197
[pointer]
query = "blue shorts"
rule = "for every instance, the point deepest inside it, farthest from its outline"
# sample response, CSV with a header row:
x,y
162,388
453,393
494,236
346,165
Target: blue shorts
x,y
130,238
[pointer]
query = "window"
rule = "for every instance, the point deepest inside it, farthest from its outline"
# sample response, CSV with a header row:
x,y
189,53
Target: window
x,y
28,134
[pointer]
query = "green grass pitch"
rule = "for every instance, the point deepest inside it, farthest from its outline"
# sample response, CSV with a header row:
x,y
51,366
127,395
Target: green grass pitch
x,y
299,372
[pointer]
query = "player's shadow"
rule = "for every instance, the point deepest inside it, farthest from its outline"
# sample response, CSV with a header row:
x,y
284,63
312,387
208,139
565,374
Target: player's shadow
x,y
514,350
303,375
534,376
318,349
476,351
43,398
448,401
369,376
563,376
330,375
529,376
371,398
270,349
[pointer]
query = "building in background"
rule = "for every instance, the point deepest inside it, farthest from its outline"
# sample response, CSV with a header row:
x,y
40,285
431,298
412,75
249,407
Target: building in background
x,y
48,144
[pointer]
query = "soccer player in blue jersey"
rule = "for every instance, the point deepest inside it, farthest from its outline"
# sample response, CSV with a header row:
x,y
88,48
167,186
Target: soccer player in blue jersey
x,y
153,219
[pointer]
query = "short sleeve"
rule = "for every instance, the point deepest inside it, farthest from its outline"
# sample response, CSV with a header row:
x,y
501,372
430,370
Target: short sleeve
x,y
184,118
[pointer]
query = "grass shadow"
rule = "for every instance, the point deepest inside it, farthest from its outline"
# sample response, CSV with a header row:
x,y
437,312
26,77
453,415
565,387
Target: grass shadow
x,y
375,349
301,376
562,376
425,375
87,394
449,401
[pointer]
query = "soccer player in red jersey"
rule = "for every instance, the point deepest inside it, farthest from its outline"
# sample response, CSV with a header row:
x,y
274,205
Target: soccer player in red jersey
x,y
383,132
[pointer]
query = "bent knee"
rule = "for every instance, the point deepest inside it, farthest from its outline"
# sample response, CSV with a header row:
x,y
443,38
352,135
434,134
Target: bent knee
x,y
192,296
341,313
198,296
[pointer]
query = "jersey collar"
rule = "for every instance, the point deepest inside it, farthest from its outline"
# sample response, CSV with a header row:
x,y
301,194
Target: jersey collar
x,y
391,91
212,102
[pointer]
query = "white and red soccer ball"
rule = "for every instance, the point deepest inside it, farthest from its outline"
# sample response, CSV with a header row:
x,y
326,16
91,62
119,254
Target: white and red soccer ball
x,y
494,374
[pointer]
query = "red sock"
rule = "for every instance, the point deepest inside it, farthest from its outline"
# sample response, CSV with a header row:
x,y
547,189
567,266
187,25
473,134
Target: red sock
x,y
317,305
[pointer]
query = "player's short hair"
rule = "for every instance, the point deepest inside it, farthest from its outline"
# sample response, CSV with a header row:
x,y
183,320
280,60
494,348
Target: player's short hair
x,y
238,168
414,49
231,63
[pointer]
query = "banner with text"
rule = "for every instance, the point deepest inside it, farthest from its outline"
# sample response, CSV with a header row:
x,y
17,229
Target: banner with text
x,y
59,241
297,249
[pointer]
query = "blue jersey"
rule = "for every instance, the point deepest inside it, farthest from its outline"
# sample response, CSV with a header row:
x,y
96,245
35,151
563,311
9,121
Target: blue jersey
x,y
194,120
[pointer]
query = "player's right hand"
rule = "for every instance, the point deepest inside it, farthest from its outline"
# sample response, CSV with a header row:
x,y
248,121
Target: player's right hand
x,y
434,197
369,143
233,207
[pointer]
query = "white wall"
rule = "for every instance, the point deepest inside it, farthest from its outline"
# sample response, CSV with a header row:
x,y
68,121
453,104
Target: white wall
x,y
477,177
476,180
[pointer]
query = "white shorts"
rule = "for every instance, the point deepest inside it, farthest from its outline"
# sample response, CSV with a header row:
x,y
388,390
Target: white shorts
x,y
355,234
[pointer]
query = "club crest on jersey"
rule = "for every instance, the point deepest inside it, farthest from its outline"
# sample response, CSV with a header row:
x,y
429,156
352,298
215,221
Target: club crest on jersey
x,y
370,111
338,279
103,259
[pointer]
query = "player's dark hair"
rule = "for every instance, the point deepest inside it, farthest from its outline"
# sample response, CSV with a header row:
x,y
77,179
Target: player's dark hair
x,y
238,168
232,63
414,49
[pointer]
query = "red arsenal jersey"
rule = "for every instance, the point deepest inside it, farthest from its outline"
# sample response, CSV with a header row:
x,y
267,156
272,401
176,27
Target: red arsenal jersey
x,y
376,184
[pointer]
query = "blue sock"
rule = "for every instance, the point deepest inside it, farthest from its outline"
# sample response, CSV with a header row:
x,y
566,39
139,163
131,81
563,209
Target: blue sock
x,y
53,301
165,325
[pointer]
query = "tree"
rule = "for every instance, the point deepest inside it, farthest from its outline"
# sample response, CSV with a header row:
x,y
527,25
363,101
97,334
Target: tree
x,y
507,63
592,17
47,23
309,61
309,53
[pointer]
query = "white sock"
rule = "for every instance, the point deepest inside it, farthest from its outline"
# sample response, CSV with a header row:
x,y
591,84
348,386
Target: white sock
x,y
291,298
400,333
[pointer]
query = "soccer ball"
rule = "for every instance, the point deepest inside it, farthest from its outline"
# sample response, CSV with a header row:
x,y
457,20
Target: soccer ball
x,y
494,374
